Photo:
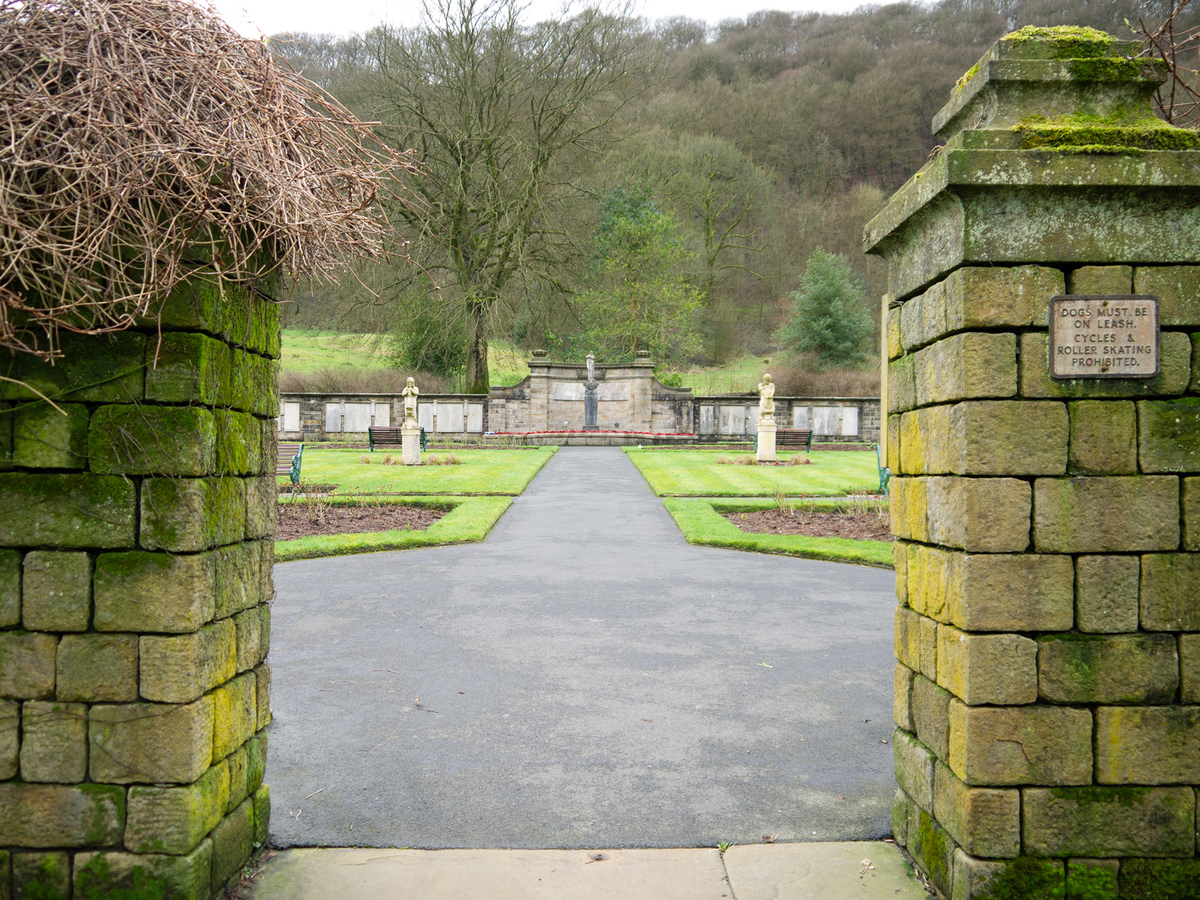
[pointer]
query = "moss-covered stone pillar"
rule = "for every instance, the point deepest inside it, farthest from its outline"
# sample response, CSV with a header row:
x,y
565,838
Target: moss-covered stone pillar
x,y
136,524
1048,628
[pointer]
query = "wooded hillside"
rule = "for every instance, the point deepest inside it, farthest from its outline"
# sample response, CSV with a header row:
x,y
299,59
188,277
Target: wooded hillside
x,y
761,139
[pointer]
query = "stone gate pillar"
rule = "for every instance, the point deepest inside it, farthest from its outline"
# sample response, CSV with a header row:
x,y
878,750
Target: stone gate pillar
x,y
1048,628
135,569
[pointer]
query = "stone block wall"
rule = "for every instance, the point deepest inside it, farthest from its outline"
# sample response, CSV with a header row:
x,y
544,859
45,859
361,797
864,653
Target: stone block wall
x,y
303,417
1047,700
1047,671
135,579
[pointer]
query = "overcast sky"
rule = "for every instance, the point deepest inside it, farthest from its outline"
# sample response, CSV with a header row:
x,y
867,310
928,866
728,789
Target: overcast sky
x,y
255,17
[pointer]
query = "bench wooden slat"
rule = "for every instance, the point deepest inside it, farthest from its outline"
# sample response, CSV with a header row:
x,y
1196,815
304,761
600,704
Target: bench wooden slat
x,y
794,437
285,456
389,434
385,433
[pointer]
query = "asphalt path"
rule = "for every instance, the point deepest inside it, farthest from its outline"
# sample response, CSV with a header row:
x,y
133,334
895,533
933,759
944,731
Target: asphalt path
x,y
582,678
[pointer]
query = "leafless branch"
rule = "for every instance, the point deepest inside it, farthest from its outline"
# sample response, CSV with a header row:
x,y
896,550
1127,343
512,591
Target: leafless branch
x,y
142,139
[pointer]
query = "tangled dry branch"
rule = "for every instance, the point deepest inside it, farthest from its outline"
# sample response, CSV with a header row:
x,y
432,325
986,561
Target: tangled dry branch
x,y
143,139
1179,97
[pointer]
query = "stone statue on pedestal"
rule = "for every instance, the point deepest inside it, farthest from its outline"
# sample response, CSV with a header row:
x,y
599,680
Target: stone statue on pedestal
x,y
410,431
410,393
766,399
764,444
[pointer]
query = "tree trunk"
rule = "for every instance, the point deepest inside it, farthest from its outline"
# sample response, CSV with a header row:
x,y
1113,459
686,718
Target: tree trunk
x,y
477,349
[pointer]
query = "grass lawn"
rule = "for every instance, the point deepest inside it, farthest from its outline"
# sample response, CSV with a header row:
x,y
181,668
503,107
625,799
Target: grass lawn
x,y
504,472
469,519
506,364
696,473
308,350
701,522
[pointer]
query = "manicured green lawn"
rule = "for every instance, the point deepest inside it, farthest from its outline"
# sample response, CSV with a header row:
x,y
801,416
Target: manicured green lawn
x,y
701,523
697,473
481,472
469,519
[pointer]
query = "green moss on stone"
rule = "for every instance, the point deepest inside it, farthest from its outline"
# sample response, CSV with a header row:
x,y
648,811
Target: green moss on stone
x,y
256,761
134,564
1093,882
151,440
185,368
1122,796
1065,41
193,304
66,511
233,840
41,876
1169,432
967,76
10,588
1026,878
188,514
43,437
95,881
1081,663
1118,132
93,368
1105,69
104,798
1073,637
174,820
1160,879
935,850
238,443
262,815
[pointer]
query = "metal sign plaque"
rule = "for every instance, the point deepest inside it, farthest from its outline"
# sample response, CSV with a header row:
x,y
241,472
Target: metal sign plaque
x,y
1113,336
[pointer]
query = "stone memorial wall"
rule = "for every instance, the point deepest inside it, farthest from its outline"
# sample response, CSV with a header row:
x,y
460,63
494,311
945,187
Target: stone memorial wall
x,y
1048,629
135,575
511,411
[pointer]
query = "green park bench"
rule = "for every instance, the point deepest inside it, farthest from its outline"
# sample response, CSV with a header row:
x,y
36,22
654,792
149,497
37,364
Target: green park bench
x,y
794,438
389,435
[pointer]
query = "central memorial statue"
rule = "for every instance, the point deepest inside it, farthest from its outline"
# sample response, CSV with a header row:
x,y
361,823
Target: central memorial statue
x,y
591,398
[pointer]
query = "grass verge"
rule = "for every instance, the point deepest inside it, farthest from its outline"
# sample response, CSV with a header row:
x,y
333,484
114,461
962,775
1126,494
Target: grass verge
x,y
701,522
698,473
469,519
484,472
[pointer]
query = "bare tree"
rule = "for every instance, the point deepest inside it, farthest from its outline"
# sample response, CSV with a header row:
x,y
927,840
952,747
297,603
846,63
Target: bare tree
x,y
493,110
1176,41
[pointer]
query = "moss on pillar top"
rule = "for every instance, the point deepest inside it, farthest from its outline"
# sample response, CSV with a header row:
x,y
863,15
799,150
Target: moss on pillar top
x,y
1059,42
1050,71
1115,133
1049,137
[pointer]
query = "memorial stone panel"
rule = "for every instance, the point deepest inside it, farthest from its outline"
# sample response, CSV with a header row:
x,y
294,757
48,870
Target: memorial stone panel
x,y
449,418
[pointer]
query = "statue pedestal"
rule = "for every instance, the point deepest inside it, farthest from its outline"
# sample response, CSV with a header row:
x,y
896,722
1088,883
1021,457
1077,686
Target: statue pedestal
x,y
766,440
410,443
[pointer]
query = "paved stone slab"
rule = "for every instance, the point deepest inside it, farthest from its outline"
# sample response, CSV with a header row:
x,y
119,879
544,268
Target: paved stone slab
x,y
857,870
582,678
494,875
